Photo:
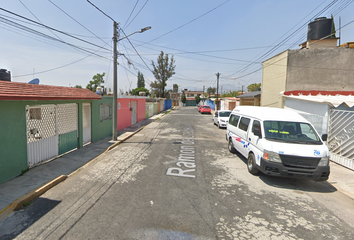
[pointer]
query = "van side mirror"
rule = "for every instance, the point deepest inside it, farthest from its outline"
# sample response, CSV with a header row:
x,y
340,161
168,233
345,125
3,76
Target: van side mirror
x,y
257,132
324,137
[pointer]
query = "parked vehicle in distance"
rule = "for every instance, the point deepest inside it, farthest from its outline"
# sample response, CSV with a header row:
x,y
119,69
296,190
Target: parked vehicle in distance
x,y
200,107
205,109
278,142
221,118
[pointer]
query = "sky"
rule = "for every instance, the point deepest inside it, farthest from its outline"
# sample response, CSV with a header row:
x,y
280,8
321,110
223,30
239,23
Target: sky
x,y
66,42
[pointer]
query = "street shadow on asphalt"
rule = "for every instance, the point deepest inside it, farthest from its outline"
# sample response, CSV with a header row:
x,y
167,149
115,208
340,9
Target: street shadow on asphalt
x,y
26,217
305,185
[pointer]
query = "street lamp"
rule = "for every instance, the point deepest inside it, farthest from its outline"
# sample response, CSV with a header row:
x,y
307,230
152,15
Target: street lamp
x,y
115,78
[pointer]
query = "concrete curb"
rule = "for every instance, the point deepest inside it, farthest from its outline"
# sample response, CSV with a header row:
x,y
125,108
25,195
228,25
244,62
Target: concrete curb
x,y
18,203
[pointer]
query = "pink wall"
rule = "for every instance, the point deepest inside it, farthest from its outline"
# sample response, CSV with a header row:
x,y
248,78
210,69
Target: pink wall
x,y
141,109
124,118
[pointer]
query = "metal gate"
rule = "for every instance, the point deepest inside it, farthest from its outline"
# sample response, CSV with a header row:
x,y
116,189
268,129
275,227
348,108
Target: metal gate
x,y
51,131
134,111
341,137
67,127
86,118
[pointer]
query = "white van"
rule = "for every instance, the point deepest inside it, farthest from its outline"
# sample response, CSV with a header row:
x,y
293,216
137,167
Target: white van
x,y
278,142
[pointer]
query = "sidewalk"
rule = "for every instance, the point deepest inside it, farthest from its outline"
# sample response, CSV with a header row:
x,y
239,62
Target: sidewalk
x,y
22,189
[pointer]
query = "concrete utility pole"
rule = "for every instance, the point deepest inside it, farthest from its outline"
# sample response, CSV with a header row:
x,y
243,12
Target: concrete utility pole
x,y
217,91
115,56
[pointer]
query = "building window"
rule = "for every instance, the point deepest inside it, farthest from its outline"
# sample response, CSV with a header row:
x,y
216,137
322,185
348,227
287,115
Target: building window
x,y
105,111
35,113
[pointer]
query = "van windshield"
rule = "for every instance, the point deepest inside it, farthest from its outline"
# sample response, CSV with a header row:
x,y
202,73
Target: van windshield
x,y
293,132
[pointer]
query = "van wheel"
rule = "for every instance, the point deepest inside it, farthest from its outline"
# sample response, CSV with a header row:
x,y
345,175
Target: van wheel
x,y
251,165
231,146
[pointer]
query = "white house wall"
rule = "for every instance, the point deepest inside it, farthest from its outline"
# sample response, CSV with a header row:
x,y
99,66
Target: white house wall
x,y
316,113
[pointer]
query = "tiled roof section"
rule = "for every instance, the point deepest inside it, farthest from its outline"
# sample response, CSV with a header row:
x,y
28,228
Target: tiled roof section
x,y
25,91
333,98
315,93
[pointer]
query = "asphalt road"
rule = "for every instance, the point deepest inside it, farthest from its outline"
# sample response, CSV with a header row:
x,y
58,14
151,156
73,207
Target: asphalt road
x,y
175,179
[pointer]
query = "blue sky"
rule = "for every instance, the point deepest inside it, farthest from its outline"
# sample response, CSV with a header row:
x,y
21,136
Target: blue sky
x,y
231,37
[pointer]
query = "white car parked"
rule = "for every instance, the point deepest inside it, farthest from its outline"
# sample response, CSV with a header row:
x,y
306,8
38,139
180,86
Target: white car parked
x,y
221,118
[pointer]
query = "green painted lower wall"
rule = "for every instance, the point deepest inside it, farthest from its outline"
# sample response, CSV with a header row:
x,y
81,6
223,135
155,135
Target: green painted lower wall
x,y
13,143
100,129
67,142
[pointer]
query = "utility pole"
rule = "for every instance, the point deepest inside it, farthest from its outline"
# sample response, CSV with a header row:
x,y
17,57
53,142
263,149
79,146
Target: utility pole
x,y
217,91
203,94
115,56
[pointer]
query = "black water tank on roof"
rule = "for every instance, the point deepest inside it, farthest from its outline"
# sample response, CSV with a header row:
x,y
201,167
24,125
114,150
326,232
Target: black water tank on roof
x,y
321,28
5,75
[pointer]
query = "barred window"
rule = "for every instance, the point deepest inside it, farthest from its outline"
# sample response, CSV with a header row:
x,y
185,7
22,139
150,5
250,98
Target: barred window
x,y
105,111
35,113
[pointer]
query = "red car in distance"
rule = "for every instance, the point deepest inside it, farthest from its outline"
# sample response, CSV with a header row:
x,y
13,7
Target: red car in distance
x,y
205,109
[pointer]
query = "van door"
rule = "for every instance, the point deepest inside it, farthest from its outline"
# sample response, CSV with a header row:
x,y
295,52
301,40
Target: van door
x,y
255,140
241,143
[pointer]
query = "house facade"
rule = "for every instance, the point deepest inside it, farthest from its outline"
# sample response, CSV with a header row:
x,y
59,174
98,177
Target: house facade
x,y
40,122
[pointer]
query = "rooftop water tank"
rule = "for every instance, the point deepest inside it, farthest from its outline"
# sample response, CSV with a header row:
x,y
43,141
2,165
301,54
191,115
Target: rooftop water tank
x,y
321,28
5,75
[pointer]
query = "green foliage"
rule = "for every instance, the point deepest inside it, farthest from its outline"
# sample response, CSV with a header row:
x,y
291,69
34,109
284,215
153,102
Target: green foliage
x,y
197,99
135,91
175,87
25,204
254,87
77,86
163,70
211,90
141,81
231,94
183,99
96,81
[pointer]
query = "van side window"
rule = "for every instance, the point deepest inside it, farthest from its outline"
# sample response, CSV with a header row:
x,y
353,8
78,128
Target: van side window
x,y
256,125
234,120
244,123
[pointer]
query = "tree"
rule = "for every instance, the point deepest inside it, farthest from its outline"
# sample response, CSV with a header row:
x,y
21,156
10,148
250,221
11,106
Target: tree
x,y
254,87
77,86
231,94
136,91
175,87
197,99
141,81
96,81
163,70
211,90
183,99
155,89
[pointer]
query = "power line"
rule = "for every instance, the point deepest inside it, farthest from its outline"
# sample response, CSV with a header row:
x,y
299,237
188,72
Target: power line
x,y
190,21
136,51
101,10
38,18
76,20
137,13
82,40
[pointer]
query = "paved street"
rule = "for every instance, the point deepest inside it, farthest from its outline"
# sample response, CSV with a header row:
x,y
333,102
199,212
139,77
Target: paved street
x,y
176,179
